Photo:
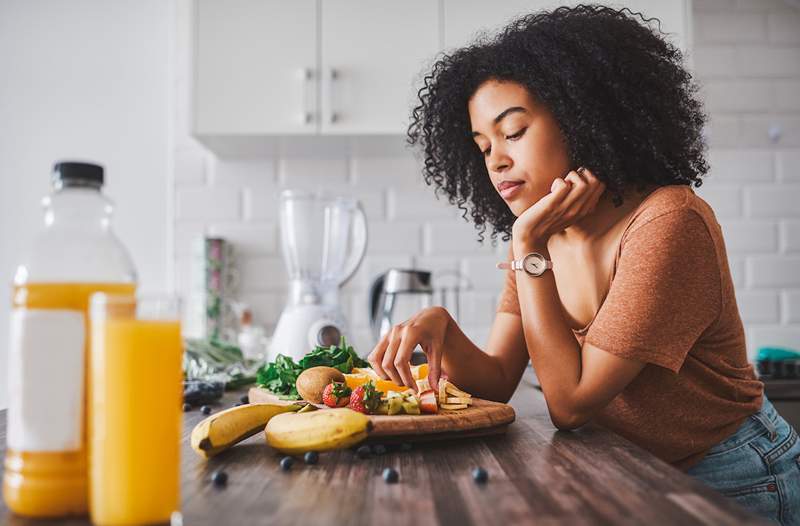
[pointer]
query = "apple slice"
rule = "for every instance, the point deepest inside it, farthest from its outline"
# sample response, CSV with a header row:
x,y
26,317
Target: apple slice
x,y
427,402
423,385
442,390
455,391
453,407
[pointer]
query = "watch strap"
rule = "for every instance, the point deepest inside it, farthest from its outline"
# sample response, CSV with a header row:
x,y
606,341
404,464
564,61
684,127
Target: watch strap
x,y
517,264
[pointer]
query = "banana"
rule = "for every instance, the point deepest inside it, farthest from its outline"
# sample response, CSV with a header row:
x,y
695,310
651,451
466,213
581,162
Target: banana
x,y
295,434
226,428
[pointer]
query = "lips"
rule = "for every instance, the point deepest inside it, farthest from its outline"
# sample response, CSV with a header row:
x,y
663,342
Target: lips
x,y
508,188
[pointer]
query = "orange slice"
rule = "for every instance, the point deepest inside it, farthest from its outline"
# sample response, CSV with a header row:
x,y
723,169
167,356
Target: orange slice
x,y
354,380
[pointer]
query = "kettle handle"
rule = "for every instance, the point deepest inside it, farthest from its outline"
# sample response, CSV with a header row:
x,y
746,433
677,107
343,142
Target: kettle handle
x,y
359,244
374,302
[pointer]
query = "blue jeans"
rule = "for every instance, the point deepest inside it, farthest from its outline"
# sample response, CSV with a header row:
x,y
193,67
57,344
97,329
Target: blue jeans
x,y
758,466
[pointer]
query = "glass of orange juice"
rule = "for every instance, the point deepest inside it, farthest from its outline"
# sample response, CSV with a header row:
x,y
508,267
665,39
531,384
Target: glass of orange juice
x,y
134,409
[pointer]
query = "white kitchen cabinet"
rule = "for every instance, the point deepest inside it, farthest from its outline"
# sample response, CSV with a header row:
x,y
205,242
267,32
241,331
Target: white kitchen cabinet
x,y
255,67
372,53
465,19
271,75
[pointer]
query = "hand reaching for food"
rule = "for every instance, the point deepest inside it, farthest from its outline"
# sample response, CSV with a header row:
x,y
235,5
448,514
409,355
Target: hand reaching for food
x,y
391,358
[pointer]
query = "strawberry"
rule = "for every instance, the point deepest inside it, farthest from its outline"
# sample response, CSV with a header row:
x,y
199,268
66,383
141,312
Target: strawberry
x,y
336,394
365,398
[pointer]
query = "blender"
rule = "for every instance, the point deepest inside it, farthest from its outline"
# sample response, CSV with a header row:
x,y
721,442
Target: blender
x,y
323,240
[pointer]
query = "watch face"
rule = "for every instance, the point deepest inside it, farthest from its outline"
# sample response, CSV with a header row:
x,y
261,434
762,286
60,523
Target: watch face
x,y
534,264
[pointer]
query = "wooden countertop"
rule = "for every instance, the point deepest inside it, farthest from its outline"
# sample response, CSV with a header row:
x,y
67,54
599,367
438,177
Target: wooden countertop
x,y
536,475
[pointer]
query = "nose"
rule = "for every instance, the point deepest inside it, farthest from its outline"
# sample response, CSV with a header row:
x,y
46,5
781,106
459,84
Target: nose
x,y
498,161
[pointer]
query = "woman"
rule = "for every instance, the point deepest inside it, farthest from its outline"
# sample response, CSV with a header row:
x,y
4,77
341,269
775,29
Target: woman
x,y
576,134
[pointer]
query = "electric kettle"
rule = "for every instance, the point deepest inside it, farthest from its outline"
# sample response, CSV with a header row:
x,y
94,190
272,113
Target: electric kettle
x,y
397,295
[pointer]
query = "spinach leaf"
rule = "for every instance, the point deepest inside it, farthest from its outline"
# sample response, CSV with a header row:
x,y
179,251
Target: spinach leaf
x,y
280,376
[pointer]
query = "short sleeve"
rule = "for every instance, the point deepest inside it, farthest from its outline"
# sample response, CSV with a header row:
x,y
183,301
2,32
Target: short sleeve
x,y
665,293
508,300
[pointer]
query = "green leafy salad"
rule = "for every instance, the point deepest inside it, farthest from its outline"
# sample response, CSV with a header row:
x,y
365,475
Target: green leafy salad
x,y
280,376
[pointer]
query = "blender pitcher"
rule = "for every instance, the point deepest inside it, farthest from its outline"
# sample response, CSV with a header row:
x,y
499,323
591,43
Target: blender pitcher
x,y
323,241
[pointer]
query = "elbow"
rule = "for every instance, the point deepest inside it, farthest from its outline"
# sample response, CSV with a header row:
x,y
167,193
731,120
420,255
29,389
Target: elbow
x,y
564,424
568,420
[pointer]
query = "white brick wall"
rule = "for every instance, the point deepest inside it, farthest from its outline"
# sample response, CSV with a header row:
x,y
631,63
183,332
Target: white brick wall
x,y
747,59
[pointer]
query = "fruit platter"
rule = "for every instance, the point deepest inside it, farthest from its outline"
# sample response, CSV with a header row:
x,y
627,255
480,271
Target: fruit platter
x,y
332,399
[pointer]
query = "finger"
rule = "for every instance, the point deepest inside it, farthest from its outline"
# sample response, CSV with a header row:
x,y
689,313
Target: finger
x,y
402,360
376,356
598,189
580,190
570,208
559,189
389,357
434,365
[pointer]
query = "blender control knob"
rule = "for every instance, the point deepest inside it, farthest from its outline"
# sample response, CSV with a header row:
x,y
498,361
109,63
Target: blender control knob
x,y
328,335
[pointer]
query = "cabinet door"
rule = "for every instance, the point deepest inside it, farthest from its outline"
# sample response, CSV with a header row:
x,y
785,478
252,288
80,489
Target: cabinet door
x,y
255,67
373,52
465,19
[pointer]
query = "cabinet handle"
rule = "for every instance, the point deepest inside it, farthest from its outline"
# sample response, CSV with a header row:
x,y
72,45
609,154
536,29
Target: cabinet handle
x,y
308,77
333,116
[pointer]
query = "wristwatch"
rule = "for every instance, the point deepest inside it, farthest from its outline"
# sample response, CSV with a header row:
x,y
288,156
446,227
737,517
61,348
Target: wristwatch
x,y
534,264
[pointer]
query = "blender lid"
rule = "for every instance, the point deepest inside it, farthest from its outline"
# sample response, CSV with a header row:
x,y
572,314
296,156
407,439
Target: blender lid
x,y
407,280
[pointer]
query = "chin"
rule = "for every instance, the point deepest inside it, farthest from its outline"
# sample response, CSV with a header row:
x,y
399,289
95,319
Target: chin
x,y
518,206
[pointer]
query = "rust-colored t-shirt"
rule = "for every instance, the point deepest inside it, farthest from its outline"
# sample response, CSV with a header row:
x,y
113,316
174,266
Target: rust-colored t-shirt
x,y
671,304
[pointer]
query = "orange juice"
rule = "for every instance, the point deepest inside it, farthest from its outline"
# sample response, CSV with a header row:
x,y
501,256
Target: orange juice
x,y
45,464
134,419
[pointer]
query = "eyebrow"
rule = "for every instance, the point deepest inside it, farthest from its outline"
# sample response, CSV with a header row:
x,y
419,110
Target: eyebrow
x,y
503,114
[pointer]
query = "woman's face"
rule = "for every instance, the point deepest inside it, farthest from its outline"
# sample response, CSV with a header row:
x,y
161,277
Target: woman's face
x,y
521,143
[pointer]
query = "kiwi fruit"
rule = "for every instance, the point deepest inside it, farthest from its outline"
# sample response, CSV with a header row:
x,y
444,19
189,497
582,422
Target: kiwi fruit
x,y
311,382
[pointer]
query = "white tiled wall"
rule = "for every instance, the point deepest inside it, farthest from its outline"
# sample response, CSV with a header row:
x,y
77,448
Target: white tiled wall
x,y
747,57
408,227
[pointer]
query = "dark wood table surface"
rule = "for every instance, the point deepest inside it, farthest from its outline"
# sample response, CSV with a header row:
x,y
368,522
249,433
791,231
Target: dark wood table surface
x,y
537,475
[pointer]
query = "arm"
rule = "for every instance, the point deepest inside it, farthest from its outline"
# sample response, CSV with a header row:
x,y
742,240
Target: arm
x,y
494,374
576,382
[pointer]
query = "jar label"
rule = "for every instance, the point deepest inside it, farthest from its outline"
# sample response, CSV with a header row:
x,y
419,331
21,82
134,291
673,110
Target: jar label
x,y
46,371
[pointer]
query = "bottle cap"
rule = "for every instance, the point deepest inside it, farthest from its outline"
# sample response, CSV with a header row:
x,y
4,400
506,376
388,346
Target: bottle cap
x,y
70,174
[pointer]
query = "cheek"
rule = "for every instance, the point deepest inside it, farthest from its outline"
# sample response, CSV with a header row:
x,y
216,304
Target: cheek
x,y
545,161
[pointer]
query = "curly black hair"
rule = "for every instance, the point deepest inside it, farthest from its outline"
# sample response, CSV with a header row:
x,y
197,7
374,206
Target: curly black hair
x,y
618,91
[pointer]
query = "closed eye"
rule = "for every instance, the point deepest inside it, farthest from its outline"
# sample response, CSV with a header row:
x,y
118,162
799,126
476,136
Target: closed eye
x,y
512,137
517,135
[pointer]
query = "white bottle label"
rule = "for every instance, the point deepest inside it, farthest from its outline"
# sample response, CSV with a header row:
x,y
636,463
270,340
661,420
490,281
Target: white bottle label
x,y
46,370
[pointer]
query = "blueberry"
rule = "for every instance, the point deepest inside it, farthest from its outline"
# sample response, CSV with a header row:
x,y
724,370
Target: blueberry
x,y
311,457
219,478
363,451
206,409
244,399
237,404
187,408
405,446
379,449
390,475
286,463
480,475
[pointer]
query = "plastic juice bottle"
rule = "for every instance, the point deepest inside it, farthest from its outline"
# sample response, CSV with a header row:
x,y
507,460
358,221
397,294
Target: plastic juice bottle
x,y
75,255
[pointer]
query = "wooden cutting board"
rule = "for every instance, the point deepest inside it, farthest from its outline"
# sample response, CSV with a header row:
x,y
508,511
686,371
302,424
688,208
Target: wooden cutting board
x,y
483,417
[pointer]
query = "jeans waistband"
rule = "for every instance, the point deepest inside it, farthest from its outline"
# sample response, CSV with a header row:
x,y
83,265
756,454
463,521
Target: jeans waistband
x,y
764,421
